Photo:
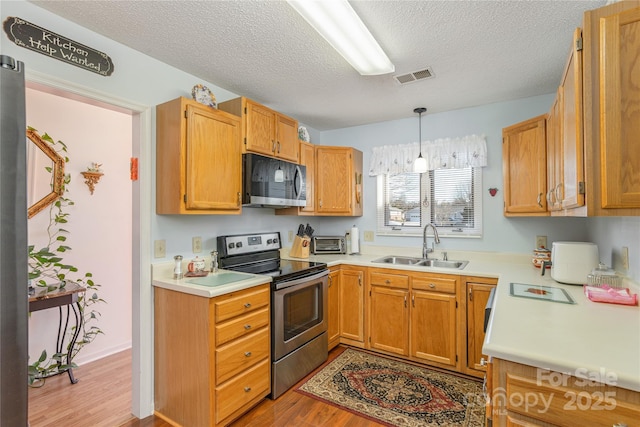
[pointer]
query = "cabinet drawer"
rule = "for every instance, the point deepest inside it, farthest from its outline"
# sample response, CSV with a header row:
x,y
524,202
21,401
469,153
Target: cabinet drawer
x,y
241,326
596,405
240,354
389,280
237,303
433,283
239,391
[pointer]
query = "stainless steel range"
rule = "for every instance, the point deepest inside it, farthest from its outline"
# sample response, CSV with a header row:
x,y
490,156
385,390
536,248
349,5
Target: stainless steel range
x,y
299,341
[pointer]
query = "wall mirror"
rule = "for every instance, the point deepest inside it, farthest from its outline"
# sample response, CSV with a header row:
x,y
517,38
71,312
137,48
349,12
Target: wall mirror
x,y
45,173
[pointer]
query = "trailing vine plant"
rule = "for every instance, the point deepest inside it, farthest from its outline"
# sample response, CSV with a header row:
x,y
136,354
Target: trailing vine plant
x,y
48,272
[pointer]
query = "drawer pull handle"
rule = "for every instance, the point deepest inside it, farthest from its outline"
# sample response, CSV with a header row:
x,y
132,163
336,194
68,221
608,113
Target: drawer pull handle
x,y
247,389
247,327
247,354
387,281
431,285
247,305
619,425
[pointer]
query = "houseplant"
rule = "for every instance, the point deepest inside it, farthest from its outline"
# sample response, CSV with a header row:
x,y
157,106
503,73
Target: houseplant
x,y
49,272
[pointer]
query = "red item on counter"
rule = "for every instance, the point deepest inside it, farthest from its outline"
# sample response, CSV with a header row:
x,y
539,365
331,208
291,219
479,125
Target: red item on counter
x,y
610,295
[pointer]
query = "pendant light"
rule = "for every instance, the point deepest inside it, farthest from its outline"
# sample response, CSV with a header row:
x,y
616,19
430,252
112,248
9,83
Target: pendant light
x,y
420,164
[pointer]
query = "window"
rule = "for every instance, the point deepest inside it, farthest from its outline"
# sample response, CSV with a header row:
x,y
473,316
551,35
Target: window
x,y
451,199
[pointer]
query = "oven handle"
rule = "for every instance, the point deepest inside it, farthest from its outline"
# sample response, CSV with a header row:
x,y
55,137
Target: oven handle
x,y
290,283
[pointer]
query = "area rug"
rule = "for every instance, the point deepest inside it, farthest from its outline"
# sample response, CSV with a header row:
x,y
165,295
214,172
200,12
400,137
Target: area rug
x,y
395,393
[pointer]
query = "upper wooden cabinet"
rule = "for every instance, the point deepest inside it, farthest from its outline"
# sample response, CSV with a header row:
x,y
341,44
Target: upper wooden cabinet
x,y
307,159
524,168
264,130
197,148
612,117
338,181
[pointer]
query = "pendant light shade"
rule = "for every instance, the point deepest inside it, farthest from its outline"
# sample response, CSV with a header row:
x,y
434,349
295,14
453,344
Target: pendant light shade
x,y
420,164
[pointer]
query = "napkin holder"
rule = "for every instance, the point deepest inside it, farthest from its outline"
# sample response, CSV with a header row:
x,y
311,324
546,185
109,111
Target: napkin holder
x,y
300,247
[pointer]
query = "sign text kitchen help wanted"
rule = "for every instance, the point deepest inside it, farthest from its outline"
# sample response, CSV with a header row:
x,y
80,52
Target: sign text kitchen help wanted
x,y
32,37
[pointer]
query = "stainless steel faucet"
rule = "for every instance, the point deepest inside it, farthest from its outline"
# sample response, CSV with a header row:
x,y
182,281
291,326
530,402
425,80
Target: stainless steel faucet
x,y
425,249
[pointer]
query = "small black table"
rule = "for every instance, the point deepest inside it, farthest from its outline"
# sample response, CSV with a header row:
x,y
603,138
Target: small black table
x,y
61,297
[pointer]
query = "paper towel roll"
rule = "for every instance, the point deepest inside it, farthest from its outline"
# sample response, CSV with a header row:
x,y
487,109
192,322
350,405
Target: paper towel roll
x,y
354,237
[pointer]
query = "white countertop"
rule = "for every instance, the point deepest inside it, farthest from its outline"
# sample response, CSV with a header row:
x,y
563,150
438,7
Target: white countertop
x,y
590,340
162,277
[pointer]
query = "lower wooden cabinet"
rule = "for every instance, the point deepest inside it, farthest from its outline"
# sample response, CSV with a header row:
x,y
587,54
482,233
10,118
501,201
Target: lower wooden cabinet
x,y
333,321
521,395
478,290
352,305
388,309
212,355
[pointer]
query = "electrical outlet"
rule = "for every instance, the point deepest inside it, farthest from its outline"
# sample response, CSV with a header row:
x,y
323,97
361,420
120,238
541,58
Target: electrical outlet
x,y
290,235
541,242
625,257
368,236
196,245
159,249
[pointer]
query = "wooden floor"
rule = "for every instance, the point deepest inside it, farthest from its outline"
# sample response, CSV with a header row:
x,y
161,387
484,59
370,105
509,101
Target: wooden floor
x,y
102,398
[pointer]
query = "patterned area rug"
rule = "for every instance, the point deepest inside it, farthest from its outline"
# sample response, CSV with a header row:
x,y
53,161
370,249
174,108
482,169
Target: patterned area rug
x,y
396,393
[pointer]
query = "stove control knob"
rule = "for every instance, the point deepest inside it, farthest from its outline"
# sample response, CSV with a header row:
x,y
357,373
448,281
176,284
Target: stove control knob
x,y
269,241
275,241
232,245
239,245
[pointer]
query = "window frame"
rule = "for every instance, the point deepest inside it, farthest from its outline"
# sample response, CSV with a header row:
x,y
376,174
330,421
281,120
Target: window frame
x,y
426,214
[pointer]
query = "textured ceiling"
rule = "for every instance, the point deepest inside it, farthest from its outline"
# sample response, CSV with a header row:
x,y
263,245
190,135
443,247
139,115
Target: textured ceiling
x,y
480,51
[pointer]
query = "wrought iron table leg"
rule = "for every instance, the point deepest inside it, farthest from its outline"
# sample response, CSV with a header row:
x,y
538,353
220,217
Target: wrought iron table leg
x,y
79,320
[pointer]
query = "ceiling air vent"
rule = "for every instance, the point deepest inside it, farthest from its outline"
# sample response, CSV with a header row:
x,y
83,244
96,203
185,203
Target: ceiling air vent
x,y
414,76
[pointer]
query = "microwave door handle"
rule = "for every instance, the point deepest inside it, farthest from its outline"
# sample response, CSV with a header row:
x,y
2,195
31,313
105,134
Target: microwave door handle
x,y
297,182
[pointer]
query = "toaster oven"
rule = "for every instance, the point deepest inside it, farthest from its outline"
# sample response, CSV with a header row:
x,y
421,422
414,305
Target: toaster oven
x,y
328,245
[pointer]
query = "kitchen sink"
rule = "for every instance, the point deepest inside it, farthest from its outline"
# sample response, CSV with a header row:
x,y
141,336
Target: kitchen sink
x,y
421,262
403,260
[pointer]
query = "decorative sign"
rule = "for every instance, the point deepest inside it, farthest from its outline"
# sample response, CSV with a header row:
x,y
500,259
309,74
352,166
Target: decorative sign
x,y
32,37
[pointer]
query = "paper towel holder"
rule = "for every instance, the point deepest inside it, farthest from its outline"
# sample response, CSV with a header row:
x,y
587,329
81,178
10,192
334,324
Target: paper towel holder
x,y
353,241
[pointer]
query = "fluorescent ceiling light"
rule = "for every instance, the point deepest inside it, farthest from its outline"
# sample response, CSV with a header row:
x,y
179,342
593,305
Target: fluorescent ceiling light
x,y
339,24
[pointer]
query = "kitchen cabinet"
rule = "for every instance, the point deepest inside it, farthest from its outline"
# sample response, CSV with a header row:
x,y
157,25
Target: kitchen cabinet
x,y
307,159
612,117
352,305
388,312
524,168
214,351
197,148
264,130
333,309
522,395
434,320
477,295
338,183
554,154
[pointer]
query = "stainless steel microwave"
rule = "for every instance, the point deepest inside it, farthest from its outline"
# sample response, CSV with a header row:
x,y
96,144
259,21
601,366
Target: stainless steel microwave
x,y
328,245
274,183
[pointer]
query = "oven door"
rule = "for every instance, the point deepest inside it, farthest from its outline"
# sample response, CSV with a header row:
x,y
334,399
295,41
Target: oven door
x,y
299,312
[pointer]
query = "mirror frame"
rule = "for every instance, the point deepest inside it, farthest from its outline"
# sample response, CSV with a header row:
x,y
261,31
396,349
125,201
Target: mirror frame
x,y
57,173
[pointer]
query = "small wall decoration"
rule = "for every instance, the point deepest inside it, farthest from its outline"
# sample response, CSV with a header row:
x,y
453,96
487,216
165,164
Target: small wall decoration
x,y
92,176
493,191
32,37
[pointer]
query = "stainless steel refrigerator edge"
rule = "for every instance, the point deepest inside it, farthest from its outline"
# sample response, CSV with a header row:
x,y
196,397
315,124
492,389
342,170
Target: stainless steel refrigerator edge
x,y
13,246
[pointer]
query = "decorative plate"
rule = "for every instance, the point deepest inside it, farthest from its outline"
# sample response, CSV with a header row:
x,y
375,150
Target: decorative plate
x,y
203,95
303,134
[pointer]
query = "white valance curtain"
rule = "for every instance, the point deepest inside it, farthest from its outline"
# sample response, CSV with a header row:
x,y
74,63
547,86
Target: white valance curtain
x,y
444,153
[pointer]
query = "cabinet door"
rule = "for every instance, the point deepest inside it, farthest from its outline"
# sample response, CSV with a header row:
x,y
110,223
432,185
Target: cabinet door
x,y
433,327
524,168
260,131
287,142
213,156
477,297
333,186
554,154
352,304
572,174
620,115
333,321
389,320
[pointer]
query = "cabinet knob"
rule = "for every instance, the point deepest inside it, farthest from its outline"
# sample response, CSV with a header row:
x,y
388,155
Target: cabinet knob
x,y
619,425
432,286
247,327
278,147
247,354
539,199
387,281
483,361
273,141
247,305
247,389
